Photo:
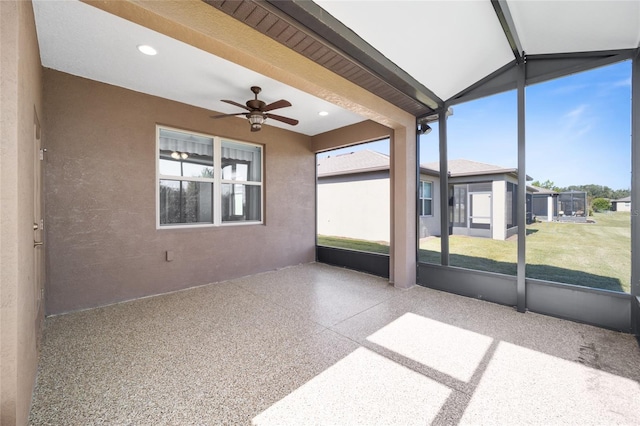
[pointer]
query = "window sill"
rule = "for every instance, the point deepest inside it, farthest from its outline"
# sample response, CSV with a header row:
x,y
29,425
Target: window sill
x,y
209,225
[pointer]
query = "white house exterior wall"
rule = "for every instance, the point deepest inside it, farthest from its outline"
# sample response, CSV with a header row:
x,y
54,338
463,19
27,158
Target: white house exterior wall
x,y
355,206
358,206
499,216
622,206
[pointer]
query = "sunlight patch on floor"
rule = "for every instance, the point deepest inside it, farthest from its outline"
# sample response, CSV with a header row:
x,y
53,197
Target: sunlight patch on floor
x,y
362,388
443,347
523,386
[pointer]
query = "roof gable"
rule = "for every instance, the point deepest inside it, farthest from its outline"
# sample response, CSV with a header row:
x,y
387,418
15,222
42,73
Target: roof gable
x,y
462,167
622,200
353,162
368,160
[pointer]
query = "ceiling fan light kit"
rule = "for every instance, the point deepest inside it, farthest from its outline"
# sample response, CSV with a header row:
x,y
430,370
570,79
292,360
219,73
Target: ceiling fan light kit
x,y
256,119
258,111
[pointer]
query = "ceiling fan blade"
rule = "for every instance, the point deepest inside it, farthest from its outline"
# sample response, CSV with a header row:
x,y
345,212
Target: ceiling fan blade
x,y
236,104
277,104
283,119
228,115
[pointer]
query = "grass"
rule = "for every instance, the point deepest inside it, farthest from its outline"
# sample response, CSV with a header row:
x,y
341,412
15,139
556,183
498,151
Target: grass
x,y
589,254
352,244
593,254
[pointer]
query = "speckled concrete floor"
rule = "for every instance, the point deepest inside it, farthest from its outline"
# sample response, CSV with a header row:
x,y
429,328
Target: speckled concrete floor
x,y
313,344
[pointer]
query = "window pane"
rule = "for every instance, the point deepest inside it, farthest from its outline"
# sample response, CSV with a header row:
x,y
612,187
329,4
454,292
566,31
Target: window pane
x,y
425,199
426,189
575,234
426,208
353,207
241,162
185,202
184,154
482,167
241,202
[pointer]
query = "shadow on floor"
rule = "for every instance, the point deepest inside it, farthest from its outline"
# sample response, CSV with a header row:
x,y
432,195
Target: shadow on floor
x,y
541,272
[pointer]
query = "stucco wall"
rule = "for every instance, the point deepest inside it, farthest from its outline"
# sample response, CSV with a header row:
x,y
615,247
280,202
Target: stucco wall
x,y
21,100
355,206
365,131
102,238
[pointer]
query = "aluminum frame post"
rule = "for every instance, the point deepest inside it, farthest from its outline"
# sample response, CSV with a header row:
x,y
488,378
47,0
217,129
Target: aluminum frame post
x,y
444,187
635,194
521,287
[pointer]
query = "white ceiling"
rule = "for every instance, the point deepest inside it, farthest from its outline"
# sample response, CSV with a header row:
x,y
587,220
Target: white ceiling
x,y
449,45
577,26
85,41
445,45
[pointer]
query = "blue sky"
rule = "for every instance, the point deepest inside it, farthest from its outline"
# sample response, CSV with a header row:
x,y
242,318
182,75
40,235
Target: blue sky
x,y
578,130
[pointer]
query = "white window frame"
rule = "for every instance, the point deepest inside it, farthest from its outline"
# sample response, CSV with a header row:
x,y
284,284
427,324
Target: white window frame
x,y
217,182
420,198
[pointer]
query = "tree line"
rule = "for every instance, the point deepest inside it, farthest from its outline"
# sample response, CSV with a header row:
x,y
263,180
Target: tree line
x,y
592,190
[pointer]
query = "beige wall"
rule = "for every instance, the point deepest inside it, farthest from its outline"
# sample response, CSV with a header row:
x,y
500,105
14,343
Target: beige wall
x,y
355,206
20,324
102,238
403,207
190,22
365,131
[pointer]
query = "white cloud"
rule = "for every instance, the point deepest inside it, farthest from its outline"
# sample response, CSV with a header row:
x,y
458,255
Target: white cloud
x,y
576,113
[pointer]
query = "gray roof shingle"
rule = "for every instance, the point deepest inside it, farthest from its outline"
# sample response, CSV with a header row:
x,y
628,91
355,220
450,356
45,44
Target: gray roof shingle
x,y
622,200
468,167
368,160
352,162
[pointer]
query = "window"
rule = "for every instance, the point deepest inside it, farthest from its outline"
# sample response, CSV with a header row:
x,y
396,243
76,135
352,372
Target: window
x,y
192,193
425,198
512,205
241,167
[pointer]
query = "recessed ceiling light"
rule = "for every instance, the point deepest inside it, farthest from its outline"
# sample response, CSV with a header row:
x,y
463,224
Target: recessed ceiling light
x,y
147,50
323,113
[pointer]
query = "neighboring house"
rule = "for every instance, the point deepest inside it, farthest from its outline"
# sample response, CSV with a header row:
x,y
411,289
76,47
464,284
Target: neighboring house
x,y
544,204
353,197
482,199
621,205
548,205
572,206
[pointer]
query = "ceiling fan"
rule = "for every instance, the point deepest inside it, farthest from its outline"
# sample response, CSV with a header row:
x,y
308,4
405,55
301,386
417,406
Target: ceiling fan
x,y
258,111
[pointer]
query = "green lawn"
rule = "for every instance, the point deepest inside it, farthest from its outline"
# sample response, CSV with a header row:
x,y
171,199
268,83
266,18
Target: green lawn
x,y
589,254
351,244
593,254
